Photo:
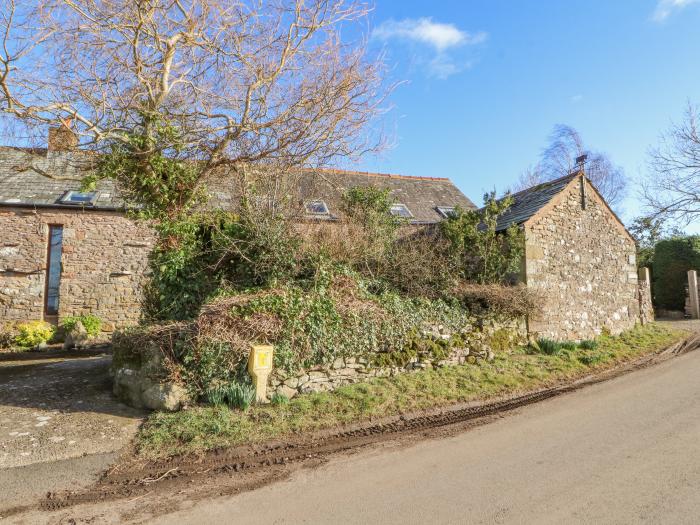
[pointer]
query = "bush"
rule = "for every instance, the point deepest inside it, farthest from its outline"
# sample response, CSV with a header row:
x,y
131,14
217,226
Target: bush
x,y
8,332
508,301
33,333
91,323
672,260
334,316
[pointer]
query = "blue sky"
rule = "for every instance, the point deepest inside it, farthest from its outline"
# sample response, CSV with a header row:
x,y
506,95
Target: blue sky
x,y
488,79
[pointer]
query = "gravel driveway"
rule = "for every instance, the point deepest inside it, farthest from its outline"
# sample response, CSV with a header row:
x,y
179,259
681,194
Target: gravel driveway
x,y
60,408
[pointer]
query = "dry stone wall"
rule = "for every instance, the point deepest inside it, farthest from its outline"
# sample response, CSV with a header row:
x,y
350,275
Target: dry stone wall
x,y
479,344
582,262
104,259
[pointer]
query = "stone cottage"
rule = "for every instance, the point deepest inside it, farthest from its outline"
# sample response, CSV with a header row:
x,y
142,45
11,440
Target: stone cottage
x,y
65,252
579,258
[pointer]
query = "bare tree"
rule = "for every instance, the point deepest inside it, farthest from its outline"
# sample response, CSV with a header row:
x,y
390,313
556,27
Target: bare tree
x,y
224,83
559,159
672,188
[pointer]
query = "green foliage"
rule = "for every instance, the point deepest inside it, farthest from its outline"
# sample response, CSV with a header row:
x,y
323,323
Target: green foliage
x,y
33,333
648,231
316,325
484,254
672,260
91,323
149,171
588,344
235,394
551,347
279,399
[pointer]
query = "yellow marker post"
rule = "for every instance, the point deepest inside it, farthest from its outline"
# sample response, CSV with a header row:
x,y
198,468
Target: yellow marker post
x,y
259,368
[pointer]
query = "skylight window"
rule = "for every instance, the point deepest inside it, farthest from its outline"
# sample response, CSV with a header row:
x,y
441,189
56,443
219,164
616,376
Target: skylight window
x,y
401,210
446,211
317,207
79,198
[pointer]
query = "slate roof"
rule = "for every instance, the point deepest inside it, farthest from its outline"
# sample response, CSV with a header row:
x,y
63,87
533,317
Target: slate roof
x,y
22,184
528,202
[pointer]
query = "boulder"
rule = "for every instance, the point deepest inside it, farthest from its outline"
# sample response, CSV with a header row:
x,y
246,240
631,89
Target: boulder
x,y
166,396
76,337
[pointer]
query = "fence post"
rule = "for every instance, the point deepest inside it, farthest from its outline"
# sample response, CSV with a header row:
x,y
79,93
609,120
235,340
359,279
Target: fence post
x,y
693,292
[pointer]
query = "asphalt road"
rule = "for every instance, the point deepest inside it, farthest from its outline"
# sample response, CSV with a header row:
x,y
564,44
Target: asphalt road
x,y
625,451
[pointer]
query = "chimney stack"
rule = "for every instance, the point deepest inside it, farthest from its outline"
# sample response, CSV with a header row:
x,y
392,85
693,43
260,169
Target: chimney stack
x,y
62,138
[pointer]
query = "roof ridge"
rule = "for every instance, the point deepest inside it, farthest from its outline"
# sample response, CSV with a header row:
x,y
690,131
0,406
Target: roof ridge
x,y
543,185
376,174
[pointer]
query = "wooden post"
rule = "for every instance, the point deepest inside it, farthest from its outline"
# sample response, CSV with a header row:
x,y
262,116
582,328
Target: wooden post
x,y
693,291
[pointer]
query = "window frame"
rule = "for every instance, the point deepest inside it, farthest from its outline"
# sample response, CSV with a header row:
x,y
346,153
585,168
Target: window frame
x,y
446,211
65,198
401,205
326,213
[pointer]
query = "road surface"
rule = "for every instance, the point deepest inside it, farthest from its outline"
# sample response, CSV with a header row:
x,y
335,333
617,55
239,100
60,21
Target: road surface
x,y
625,451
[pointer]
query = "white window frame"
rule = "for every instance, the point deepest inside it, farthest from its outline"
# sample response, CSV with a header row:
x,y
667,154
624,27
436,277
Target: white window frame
x,y
400,205
326,213
66,198
446,211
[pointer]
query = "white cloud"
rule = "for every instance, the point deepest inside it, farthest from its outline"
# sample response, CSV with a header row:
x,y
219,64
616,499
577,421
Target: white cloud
x,y
665,8
576,99
442,40
425,31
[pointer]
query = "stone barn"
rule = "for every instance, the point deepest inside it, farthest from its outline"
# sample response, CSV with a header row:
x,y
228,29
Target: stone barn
x,y
65,252
579,258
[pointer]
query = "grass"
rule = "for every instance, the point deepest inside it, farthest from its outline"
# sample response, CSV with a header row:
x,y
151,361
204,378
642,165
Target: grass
x,y
200,429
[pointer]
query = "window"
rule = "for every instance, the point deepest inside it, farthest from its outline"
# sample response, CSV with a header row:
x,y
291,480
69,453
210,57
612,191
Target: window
x,y
79,198
446,211
401,210
317,207
53,269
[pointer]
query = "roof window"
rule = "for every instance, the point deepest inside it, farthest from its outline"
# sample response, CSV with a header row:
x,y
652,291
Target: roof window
x,y
446,211
317,207
79,198
401,210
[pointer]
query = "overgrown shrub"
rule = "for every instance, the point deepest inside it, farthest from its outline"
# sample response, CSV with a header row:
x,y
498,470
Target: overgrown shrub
x,y
672,260
508,301
91,323
33,333
485,255
8,332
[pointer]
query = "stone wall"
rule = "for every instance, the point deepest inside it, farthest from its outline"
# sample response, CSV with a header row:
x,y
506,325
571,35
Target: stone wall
x,y
103,262
141,377
581,260
479,344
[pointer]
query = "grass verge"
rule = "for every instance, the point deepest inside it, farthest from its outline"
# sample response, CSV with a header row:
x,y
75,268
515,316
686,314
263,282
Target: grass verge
x,y
200,429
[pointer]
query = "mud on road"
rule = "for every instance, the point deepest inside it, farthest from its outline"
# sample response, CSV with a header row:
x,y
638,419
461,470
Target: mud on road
x,y
157,487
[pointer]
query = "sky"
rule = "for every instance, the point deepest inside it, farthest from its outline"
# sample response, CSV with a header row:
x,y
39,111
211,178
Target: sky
x,y
487,80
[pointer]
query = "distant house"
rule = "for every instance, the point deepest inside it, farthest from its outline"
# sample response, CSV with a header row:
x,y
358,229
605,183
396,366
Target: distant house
x,y
65,252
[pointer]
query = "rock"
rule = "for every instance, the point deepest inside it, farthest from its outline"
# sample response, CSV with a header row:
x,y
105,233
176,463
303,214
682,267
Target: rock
x,y
166,396
76,337
286,391
127,387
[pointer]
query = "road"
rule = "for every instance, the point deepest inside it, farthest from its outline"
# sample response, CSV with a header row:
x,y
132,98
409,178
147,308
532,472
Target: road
x,y
625,451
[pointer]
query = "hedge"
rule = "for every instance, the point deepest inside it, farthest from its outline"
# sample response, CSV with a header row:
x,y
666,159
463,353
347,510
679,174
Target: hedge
x,y
672,260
